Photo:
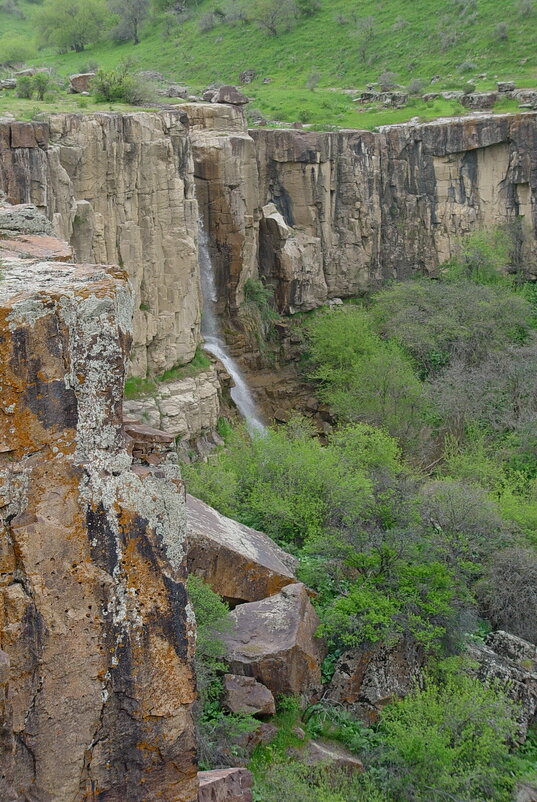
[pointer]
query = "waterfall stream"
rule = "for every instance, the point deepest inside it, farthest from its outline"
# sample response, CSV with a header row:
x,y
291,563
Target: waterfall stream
x,y
215,343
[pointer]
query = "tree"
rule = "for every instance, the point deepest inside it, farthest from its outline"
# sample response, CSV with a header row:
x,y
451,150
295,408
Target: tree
x,y
131,14
508,593
365,30
274,16
71,24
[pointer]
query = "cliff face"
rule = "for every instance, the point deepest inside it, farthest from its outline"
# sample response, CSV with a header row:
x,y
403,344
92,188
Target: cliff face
x,y
362,207
95,632
120,189
320,215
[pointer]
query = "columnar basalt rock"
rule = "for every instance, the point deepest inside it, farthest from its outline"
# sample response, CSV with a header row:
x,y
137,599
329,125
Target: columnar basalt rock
x,y
120,189
96,680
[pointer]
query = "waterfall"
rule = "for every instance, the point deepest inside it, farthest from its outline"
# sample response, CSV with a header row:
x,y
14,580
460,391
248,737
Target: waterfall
x,y
215,343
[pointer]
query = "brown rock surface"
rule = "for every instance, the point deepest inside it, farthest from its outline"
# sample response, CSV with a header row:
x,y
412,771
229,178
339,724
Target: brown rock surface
x,y
238,562
93,611
246,695
369,677
274,641
81,82
225,785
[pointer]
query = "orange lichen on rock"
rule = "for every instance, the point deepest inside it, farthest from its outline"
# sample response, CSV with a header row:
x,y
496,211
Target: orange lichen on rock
x,y
96,635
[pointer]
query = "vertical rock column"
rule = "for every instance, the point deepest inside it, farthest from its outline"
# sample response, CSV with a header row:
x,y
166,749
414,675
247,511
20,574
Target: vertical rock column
x,y
95,634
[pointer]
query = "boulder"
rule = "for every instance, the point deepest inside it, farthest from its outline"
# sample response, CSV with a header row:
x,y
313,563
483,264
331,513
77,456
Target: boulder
x,y
246,695
479,101
247,76
225,785
230,94
23,218
327,753
369,677
274,641
8,83
80,82
526,96
239,563
208,95
176,90
505,86
511,662
526,792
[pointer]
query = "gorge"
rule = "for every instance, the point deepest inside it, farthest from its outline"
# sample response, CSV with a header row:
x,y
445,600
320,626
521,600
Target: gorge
x,y
96,632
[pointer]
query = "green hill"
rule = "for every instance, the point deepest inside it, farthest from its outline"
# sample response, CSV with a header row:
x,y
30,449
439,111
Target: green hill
x,y
341,45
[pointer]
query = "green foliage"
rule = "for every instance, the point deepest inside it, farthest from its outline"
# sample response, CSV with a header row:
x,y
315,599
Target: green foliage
x,y
120,84
137,386
338,724
296,782
15,49
437,322
41,83
363,377
449,741
258,314
25,86
71,24
483,257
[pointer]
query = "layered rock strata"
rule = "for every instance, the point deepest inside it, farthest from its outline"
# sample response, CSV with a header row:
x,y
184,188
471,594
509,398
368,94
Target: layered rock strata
x,y
96,637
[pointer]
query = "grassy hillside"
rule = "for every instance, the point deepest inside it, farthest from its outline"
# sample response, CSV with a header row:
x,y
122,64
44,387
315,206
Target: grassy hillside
x,y
456,40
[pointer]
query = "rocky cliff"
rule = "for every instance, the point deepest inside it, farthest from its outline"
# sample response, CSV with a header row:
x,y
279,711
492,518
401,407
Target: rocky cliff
x,y
96,634
318,215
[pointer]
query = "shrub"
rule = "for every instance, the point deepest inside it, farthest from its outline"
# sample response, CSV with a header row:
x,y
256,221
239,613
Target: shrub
x,y
274,16
387,81
15,49
120,85
416,86
502,32
467,66
508,592
25,87
71,24
41,83
441,322
362,377
207,22
449,741
525,8
313,79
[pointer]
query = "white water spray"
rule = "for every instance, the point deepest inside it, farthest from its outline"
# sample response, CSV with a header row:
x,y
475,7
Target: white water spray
x,y
215,343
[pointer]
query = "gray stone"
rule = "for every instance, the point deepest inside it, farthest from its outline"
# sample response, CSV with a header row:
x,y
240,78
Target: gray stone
x,y
25,219
328,753
230,94
247,696
505,86
80,82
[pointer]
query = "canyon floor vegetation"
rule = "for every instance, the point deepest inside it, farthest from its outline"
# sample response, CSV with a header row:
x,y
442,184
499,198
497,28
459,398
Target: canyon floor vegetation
x,y
416,517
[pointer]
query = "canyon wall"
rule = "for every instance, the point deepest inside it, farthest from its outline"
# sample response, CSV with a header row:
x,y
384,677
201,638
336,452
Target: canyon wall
x,y
317,214
96,636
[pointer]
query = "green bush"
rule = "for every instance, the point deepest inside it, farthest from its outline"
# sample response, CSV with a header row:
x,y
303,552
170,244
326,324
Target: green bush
x,y
15,49
363,377
449,741
120,84
25,87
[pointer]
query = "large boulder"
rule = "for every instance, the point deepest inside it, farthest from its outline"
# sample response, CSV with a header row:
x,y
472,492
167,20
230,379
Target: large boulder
x,y
371,676
229,94
274,641
247,696
81,82
239,563
510,662
225,785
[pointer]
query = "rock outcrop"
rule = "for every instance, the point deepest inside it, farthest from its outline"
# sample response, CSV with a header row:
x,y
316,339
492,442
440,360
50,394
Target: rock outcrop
x,y
511,663
96,679
274,641
247,696
370,677
225,785
238,563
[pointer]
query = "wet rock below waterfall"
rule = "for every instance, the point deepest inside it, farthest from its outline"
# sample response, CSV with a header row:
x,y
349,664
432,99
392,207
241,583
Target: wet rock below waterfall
x,y
237,562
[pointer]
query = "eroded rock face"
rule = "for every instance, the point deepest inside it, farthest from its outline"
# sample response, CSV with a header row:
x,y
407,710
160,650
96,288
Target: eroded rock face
x,y
239,563
370,677
510,662
93,612
119,188
274,641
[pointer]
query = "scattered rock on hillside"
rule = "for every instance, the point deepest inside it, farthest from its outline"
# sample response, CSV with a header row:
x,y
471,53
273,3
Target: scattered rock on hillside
x,y
274,641
505,86
239,563
246,695
371,676
327,753
229,94
225,785
526,792
80,82
479,101
526,96
247,76
511,662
